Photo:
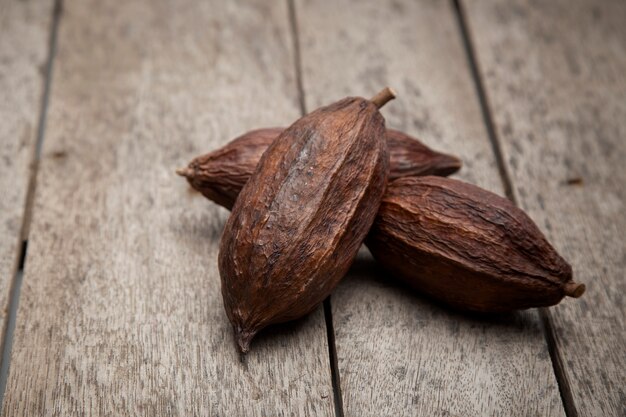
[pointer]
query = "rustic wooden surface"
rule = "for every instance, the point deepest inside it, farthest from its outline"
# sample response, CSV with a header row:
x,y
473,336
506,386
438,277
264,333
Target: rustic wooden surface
x,y
399,354
555,77
24,30
120,311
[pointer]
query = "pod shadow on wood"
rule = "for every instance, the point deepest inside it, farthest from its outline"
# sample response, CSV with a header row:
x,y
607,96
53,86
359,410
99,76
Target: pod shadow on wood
x,y
200,226
369,276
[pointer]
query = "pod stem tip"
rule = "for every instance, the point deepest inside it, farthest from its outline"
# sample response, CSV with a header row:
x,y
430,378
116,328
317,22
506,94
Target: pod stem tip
x,y
574,289
184,172
385,95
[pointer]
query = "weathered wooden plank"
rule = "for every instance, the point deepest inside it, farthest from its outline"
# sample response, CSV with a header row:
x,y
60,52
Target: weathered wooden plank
x,y
554,74
399,354
121,311
24,30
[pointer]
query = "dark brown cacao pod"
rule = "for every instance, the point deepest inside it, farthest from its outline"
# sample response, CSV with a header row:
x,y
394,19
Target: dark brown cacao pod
x,y
300,219
467,247
220,175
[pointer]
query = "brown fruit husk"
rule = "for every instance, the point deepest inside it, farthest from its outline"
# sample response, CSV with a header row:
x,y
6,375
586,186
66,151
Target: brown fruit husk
x,y
467,247
300,219
220,175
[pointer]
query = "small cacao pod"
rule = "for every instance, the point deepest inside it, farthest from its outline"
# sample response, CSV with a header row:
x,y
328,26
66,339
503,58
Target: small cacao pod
x,y
220,175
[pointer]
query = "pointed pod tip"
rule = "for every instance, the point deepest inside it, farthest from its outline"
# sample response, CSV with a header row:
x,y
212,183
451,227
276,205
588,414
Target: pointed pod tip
x,y
455,162
574,289
444,164
184,172
450,164
244,338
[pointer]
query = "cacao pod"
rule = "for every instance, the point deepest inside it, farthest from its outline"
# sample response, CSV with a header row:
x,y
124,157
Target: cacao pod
x,y
220,175
300,219
467,247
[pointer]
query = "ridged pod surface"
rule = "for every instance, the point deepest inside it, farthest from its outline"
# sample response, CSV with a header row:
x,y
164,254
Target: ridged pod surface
x,y
220,175
467,247
300,219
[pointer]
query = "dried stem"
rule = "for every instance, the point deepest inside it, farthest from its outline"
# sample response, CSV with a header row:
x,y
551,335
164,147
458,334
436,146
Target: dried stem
x,y
385,95
574,289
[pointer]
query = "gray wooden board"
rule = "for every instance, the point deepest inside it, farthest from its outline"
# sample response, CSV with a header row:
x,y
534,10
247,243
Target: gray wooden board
x,y
121,311
24,29
555,74
398,353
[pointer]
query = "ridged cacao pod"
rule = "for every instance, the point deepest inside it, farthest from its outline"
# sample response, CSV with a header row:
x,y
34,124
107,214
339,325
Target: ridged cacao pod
x,y
300,219
220,175
467,247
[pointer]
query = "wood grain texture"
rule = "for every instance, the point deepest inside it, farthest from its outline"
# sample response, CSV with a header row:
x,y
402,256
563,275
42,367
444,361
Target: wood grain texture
x,y
24,31
121,311
555,76
399,354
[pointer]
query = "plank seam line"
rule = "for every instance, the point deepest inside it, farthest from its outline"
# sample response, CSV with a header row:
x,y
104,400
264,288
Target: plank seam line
x,y
546,319
328,316
332,353
484,102
557,363
293,23
16,282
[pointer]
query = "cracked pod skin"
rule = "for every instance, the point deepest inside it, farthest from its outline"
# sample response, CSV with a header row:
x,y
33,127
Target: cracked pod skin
x,y
467,247
300,219
220,175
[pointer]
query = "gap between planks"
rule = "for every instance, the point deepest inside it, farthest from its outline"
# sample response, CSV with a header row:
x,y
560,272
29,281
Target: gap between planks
x,y
544,313
16,283
328,315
